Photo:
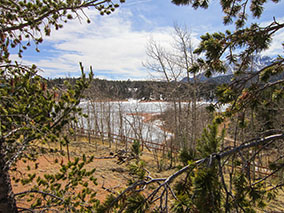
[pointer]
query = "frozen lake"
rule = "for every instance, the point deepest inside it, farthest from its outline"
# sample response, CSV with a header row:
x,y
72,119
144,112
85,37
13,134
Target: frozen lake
x,y
128,118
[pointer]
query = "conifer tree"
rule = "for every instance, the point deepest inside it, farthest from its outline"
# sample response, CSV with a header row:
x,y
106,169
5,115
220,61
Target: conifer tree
x,y
228,178
29,111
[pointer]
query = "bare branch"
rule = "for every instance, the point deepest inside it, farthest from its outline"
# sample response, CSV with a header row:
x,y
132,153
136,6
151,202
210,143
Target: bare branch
x,y
40,192
167,181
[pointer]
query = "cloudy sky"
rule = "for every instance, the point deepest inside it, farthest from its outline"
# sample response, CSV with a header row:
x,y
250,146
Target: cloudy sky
x,y
115,45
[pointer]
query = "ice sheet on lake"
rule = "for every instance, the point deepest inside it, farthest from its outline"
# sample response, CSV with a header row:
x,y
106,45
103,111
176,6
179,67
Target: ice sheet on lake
x,y
125,118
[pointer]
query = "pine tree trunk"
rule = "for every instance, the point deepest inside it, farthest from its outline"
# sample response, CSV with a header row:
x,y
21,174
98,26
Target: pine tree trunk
x,y
7,200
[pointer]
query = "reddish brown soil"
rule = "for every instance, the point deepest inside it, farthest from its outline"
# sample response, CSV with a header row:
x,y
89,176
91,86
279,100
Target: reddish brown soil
x,y
148,117
110,176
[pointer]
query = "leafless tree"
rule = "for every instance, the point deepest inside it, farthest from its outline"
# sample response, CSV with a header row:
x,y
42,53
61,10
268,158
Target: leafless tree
x,y
174,65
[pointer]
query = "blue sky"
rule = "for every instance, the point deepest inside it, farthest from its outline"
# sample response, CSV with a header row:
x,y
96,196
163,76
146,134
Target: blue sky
x,y
115,45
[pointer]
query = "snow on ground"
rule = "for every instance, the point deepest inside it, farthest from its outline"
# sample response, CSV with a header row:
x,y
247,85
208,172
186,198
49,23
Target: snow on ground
x,y
131,118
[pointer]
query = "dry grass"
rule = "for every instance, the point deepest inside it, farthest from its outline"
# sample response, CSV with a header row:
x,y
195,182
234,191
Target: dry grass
x,y
110,175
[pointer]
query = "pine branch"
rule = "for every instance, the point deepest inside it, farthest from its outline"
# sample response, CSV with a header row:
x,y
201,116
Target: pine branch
x,y
167,181
49,13
40,192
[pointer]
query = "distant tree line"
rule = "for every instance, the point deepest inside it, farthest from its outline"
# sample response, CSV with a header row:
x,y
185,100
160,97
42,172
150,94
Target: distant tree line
x,y
217,176
143,90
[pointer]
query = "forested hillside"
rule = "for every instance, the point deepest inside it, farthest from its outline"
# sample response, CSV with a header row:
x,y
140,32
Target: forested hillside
x,y
210,158
141,90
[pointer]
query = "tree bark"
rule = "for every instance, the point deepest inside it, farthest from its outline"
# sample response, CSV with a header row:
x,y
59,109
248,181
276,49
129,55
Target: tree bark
x,y
7,199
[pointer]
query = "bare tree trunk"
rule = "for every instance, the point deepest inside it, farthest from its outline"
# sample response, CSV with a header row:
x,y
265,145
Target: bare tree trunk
x,y
176,133
102,106
121,129
96,122
7,200
74,127
89,121
194,112
108,121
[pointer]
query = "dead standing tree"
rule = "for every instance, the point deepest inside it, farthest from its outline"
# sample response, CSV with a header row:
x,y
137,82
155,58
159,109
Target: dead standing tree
x,y
161,63
173,65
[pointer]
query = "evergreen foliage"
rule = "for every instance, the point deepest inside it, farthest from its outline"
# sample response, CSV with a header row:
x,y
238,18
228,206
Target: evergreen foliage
x,y
57,190
136,149
201,190
226,177
30,112
23,21
141,90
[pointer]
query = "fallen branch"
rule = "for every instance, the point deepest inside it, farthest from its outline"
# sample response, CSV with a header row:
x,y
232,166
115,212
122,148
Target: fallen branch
x,y
105,157
40,192
109,189
215,156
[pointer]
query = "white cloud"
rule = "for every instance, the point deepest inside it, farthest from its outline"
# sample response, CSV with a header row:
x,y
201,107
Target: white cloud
x,y
276,47
109,44
113,45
